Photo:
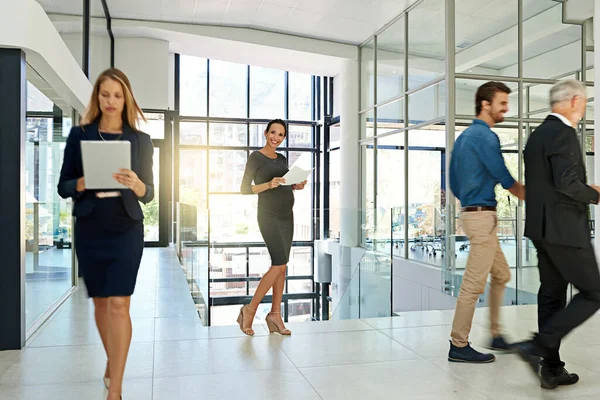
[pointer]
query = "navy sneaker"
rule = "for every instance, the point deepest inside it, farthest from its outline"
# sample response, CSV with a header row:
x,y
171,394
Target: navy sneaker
x,y
468,354
498,343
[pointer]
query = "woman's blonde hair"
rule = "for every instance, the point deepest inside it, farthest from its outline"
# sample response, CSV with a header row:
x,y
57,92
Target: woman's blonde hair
x,y
131,112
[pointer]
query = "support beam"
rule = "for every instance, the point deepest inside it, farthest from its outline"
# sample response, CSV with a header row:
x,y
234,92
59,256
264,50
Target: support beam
x,y
13,106
85,62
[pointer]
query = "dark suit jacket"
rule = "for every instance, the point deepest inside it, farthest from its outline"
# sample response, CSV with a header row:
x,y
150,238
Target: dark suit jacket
x,y
142,152
557,195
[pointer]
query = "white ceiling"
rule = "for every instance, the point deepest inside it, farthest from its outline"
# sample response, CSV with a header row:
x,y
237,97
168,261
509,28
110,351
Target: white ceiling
x,y
346,21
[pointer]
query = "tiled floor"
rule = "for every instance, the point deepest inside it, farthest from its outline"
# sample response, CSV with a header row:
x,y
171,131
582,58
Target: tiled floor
x,y
173,357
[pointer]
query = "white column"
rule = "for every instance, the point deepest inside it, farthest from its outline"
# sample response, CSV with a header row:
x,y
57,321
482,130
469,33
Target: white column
x,y
350,175
597,132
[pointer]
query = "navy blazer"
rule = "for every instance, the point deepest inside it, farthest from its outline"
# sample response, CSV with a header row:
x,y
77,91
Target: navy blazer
x,y
142,152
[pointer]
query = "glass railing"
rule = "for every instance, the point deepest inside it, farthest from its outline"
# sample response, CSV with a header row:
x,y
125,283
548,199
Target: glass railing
x,y
364,282
223,269
191,244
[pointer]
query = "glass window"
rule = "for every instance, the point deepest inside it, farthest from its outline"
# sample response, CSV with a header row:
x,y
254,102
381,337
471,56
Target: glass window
x,y
227,263
300,136
48,222
150,210
233,218
192,133
390,61
367,77
560,50
300,263
226,170
193,177
228,134
257,134
303,198
37,101
259,262
390,187
390,117
228,89
479,29
300,310
334,195
300,96
267,93
193,80
427,104
155,126
367,126
426,44
425,227
368,208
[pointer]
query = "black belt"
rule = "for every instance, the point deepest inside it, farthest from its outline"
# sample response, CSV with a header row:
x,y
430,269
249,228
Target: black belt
x,y
478,208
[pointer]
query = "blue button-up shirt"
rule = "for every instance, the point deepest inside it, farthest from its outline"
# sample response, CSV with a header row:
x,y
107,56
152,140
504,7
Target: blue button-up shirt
x,y
477,166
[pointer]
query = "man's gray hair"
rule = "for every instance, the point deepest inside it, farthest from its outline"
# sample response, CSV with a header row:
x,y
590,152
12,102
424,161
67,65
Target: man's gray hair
x,y
567,89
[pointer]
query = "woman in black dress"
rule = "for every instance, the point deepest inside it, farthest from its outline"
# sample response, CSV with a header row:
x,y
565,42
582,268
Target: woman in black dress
x,y
109,228
276,222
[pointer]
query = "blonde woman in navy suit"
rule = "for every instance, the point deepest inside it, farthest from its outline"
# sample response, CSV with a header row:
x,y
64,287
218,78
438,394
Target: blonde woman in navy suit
x,y
109,229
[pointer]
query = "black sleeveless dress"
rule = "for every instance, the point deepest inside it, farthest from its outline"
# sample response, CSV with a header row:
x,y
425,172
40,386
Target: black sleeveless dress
x,y
275,215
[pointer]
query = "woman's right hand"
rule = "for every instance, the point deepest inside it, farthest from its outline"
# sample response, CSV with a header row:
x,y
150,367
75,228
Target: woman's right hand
x,y
80,184
276,182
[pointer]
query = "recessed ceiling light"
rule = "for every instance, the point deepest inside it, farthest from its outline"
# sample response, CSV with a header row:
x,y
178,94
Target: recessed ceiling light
x,y
393,72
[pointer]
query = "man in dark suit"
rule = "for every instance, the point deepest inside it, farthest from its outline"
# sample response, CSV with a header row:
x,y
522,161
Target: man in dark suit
x,y
557,200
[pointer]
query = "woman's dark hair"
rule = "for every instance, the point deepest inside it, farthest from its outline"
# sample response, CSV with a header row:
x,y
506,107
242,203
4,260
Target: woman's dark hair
x,y
486,92
280,122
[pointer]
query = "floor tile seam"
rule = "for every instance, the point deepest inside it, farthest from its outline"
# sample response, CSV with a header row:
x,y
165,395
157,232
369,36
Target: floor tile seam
x,y
458,378
227,373
76,382
363,363
154,332
406,347
411,327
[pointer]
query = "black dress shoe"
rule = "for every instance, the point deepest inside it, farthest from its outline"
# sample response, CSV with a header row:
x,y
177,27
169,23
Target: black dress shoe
x,y
468,354
527,352
551,379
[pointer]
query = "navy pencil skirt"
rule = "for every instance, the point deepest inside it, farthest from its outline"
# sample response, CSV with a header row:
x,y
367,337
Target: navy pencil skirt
x,y
109,246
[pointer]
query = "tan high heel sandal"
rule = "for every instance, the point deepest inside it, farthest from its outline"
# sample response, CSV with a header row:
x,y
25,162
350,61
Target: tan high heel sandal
x,y
273,326
240,321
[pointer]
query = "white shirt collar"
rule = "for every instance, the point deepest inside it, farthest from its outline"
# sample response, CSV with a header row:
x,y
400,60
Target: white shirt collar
x,y
563,119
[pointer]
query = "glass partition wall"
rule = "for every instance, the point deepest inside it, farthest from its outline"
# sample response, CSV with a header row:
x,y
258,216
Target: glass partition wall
x,y
419,76
49,274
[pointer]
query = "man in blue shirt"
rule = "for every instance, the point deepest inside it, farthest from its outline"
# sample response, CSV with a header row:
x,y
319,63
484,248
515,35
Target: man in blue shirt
x,y
476,167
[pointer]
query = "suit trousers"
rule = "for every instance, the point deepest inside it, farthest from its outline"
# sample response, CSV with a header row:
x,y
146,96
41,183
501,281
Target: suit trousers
x,y
559,266
485,258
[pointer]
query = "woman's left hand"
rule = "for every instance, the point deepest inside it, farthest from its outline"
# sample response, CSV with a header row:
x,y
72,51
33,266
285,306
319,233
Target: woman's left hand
x,y
299,186
129,179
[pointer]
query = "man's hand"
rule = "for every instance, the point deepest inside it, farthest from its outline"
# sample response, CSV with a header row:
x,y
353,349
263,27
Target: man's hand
x,y
518,190
597,189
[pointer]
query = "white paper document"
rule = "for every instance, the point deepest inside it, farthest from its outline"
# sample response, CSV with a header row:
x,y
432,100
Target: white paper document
x,y
296,175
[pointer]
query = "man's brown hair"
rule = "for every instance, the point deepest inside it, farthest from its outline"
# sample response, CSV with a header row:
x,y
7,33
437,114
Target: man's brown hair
x,y
486,92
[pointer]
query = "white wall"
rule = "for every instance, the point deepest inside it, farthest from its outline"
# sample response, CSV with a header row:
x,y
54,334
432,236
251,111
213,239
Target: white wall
x,y
146,64
337,96
99,52
25,25
417,287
